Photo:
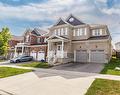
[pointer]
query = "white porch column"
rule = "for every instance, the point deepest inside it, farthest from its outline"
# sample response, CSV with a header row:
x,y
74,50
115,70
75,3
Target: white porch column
x,y
15,54
62,49
48,54
22,50
74,55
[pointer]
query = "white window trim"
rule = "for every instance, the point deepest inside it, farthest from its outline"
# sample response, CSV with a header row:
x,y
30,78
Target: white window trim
x,y
101,31
74,32
85,32
62,31
55,32
27,38
78,33
66,31
59,32
98,32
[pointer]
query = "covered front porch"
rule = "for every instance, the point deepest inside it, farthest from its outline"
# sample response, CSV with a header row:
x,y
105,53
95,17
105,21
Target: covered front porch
x,y
57,49
21,49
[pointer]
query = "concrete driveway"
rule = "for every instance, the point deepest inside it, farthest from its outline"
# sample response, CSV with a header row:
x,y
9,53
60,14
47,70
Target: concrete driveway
x,y
81,67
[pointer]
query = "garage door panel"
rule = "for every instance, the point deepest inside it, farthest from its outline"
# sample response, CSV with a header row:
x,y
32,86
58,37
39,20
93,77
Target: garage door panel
x,y
98,56
81,56
33,54
41,55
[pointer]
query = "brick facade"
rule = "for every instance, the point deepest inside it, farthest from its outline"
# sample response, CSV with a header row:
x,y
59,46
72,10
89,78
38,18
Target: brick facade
x,y
34,43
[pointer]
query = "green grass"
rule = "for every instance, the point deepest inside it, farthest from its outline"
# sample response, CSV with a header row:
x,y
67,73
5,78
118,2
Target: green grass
x,y
104,87
110,67
36,65
2,60
8,71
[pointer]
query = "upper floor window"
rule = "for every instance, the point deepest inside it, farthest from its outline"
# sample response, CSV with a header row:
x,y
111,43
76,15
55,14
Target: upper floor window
x,y
79,32
97,32
55,32
66,31
45,40
61,31
27,38
40,40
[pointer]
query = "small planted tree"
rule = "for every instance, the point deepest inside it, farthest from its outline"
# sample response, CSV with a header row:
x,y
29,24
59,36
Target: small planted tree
x,y
5,36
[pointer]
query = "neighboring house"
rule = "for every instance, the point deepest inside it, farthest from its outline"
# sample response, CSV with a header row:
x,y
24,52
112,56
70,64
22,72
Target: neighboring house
x,y
34,44
12,42
117,46
71,40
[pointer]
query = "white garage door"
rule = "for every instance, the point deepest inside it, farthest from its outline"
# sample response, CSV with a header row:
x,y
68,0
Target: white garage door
x,y
81,56
33,53
41,55
98,56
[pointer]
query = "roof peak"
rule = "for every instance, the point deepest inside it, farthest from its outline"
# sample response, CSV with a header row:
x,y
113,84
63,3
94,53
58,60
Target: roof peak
x,y
73,20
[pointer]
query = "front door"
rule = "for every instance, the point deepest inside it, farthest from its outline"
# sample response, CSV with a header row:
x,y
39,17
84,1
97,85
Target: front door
x,y
59,50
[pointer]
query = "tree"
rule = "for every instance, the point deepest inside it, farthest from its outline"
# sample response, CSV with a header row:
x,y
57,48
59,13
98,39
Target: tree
x,y
4,38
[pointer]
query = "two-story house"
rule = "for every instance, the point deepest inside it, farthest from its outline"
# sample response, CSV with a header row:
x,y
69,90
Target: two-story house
x,y
34,44
71,40
12,42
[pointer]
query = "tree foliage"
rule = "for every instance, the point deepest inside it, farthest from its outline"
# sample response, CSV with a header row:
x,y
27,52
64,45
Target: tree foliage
x,y
4,39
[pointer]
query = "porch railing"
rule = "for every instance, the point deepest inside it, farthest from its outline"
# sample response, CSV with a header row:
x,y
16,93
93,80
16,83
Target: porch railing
x,y
58,54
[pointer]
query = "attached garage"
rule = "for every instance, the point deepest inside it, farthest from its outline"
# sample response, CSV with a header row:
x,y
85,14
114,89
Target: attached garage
x,y
97,56
34,54
81,56
41,55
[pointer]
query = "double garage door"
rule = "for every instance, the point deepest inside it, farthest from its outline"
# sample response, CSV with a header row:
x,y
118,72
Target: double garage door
x,y
96,56
38,55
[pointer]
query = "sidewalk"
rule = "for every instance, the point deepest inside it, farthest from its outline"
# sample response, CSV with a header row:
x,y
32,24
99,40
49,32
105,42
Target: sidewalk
x,y
31,84
67,74
50,82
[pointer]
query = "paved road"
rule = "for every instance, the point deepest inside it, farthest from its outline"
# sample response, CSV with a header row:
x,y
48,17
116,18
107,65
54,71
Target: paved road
x,y
81,67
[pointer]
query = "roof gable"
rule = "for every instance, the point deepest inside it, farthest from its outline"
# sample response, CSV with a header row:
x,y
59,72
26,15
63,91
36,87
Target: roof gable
x,y
34,32
57,37
60,22
73,21
38,32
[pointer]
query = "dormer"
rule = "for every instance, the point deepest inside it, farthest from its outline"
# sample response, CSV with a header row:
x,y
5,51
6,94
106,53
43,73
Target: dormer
x,y
60,22
74,21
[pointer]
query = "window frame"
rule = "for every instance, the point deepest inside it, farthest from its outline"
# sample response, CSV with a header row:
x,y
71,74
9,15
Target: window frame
x,y
66,31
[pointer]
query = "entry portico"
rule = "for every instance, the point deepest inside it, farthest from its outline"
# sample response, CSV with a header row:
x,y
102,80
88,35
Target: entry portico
x,y
57,48
21,49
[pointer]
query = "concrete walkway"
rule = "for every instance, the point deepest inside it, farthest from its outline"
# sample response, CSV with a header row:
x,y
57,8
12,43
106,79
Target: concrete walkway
x,y
49,82
66,74
31,84
5,62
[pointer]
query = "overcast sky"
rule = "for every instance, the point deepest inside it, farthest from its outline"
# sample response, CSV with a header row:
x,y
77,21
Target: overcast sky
x,y
21,14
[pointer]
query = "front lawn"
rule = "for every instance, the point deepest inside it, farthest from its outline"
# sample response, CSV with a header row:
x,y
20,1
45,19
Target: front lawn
x,y
36,65
2,60
8,71
104,87
110,67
